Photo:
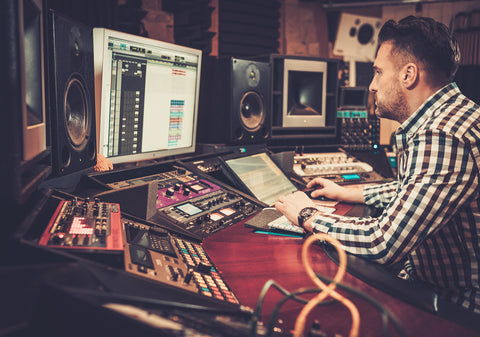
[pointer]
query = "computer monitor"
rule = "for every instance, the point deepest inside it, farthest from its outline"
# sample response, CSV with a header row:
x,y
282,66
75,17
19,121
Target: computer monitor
x,y
304,100
304,93
146,96
353,98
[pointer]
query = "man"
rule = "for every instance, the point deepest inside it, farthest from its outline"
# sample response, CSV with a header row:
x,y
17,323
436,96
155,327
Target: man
x,y
431,214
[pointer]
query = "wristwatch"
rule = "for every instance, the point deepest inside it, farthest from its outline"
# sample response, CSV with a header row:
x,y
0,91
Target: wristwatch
x,y
305,214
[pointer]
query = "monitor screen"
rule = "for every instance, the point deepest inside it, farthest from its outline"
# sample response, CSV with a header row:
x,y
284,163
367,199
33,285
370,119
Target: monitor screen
x,y
304,88
353,97
146,96
261,176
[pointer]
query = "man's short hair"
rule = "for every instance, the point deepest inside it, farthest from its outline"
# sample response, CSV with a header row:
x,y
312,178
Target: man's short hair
x,y
429,42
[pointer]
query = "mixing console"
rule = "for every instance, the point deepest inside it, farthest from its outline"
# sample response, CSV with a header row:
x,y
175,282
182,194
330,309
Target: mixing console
x,y
194,203
154,253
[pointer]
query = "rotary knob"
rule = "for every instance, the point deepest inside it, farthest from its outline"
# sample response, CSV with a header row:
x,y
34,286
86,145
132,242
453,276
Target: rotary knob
x,y
169,192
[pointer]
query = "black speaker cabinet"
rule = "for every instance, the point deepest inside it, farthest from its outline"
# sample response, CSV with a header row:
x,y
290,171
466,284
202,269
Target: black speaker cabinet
x,y
24,162
234,104
72,108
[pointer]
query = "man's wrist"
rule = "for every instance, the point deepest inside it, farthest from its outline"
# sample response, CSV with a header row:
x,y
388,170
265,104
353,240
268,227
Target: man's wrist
x,y
306,214
309,222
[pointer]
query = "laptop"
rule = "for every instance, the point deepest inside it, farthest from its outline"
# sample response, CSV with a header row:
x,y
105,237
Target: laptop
x,y
257,174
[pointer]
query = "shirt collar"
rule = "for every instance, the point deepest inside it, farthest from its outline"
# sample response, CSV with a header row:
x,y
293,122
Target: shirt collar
x,y
411,126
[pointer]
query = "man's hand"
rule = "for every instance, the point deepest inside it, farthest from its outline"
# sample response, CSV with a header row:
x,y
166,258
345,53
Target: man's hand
x,y
331,190
291,204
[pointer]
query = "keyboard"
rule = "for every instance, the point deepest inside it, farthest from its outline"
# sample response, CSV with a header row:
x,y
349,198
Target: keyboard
x,y
282,223
318,164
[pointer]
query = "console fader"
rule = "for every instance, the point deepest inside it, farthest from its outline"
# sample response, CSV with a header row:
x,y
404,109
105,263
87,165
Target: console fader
x,y
195,203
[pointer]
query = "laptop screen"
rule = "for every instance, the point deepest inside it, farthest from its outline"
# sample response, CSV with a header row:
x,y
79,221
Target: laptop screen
x,y
261,176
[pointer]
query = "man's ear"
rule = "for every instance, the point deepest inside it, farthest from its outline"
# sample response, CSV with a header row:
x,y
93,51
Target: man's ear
x,y
409,75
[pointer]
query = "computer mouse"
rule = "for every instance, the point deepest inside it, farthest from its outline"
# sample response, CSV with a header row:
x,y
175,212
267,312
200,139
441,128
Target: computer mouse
x,y
309,191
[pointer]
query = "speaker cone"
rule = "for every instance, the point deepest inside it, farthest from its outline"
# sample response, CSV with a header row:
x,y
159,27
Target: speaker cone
x,y
365,34
251,111
76,113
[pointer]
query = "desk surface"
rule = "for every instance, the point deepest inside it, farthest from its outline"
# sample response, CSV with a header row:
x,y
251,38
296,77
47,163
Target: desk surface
x,y
248,260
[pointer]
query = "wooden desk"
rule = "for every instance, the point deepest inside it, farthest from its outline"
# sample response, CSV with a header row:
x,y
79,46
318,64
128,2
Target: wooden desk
x,y
247,260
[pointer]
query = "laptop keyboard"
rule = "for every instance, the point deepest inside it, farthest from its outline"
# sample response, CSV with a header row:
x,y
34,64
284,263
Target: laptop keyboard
x,y
283,224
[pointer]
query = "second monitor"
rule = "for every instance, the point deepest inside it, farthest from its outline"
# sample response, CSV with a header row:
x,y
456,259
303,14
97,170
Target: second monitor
x,y
304,99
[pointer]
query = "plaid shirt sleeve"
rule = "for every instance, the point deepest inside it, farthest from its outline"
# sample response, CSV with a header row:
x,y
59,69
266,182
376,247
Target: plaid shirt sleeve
x,y
380,195
437,177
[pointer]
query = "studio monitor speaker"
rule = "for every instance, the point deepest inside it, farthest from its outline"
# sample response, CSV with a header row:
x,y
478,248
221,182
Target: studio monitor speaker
x,y
24,160
72,108
357,37
234,104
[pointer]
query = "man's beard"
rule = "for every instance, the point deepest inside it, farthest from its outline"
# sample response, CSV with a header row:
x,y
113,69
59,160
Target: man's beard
x,y
396,110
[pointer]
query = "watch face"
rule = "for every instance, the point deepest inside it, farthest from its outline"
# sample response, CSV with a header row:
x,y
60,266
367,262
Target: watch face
x,y
305,213
308,211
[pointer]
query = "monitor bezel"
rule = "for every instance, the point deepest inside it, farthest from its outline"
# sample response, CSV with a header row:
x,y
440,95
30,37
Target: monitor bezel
x,y
102,93
304,121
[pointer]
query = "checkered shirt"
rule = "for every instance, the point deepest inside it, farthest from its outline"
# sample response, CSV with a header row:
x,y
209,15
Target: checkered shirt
x,y
431,213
